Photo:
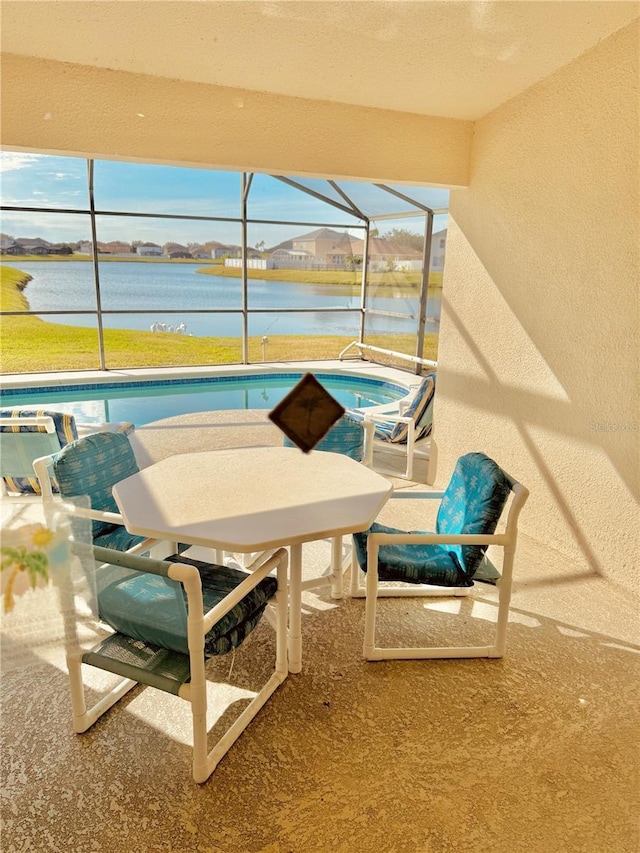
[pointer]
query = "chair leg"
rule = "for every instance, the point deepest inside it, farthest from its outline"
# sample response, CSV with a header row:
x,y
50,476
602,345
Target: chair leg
x,y
355,588
373,652
205,763
83,717
504,599
369,650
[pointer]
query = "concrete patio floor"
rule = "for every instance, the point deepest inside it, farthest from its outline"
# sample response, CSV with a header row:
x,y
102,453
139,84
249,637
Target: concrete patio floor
x,y
537,752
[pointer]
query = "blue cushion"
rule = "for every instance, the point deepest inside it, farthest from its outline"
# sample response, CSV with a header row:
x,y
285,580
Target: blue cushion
x,y
118,538
91,466
66,432
434,564
153,608
346,436
472,503
420,410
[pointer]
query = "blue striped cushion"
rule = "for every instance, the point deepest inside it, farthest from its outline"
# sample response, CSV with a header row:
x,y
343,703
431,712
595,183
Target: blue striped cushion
x,y
153,609
346,436
420,410
92,466
65,430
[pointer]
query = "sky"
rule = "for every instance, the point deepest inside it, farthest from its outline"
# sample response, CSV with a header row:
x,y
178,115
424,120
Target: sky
x,y
36,180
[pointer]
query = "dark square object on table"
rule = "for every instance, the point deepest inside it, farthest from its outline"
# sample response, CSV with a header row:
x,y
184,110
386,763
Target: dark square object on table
x,y
307,413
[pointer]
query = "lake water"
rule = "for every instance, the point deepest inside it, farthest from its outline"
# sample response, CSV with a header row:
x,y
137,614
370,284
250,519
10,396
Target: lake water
x,y
157,288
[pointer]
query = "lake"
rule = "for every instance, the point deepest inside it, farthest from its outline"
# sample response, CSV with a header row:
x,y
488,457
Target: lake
x,y
157,288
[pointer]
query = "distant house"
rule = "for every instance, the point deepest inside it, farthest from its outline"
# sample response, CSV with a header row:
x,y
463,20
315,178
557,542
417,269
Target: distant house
x,y
222,251
385,254
8,246
85,247
176,250
32,246
60,249
326,248
342,258
438,247
198,251
149,250
317,249
116,247
321,243
294,259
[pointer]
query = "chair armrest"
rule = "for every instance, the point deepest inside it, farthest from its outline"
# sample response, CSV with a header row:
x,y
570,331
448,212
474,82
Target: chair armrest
x,y
382,417
150,565
279,559
369,430
42,468
45,421
95,514
438,539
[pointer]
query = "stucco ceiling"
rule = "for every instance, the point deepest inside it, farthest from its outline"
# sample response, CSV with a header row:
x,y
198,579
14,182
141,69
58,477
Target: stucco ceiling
x,y
456,59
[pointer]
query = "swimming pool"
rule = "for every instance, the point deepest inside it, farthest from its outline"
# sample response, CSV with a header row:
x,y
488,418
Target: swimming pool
x,y
147,401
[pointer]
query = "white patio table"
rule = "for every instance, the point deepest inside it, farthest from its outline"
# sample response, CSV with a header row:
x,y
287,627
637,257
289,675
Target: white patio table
x,y
253,498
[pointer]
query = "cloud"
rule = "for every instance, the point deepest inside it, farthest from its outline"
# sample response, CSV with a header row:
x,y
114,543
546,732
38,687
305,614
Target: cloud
x,y
10,161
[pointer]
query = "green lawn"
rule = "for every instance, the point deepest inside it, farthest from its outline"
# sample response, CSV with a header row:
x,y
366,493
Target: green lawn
x,y
342,277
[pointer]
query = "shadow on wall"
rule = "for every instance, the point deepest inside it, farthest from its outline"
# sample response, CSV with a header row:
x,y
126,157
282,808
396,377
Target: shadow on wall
x,y
567,417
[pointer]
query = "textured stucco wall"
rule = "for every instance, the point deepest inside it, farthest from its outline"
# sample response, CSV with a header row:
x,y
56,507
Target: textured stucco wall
x,y
63,108
539,353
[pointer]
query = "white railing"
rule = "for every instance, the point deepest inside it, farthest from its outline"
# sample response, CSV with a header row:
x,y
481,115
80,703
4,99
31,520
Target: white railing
x,y
412,358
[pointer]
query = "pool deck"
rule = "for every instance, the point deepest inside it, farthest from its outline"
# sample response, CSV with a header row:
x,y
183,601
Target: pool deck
x,y
217,430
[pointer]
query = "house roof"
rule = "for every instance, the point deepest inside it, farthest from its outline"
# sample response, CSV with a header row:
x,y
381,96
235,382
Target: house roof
x,y
32,241
322,234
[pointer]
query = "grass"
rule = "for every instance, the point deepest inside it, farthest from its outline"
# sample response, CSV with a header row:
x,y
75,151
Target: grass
x,y
29,344
12,283
332,277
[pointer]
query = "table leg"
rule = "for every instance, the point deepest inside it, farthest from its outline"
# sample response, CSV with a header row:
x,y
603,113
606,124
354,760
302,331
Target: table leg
x,y
295,608
336,567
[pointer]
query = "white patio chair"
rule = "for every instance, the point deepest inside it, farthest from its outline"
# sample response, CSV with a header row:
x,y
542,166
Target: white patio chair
x,y
27,434
22,440
405,432
446,562
166,618
91,466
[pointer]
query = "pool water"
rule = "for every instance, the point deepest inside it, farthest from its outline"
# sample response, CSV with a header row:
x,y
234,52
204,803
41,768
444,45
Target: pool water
x,y
145,402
